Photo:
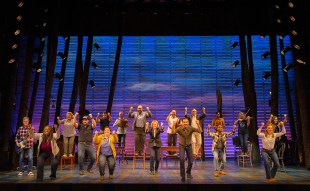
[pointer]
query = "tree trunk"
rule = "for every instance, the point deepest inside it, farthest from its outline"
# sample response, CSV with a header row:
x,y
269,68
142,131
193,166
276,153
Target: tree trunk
x,y
274,75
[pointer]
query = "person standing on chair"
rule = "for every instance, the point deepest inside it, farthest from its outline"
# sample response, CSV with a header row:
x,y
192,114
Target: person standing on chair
x,y
47,149
154,145
243,123
104,121
85,142
268,149
172,137
185,132
219,148
68,134
139,127
276,124
121,124
196,137
218,120
25,145
106,151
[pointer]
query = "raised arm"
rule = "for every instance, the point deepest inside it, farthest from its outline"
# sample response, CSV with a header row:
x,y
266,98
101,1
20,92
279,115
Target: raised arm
x,y
58,120
109,117
56,135
93,121
148,112
74,120
283,130
259,130
232,132
97,118
168,116
131,113
203,115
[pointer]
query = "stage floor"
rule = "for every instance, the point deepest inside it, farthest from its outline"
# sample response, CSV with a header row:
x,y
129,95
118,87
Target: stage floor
x,y
241,178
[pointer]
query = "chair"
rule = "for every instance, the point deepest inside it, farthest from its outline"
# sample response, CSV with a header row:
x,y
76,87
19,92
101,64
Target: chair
x,y
71,159
175,156
140,158
281,156
198,156
237,144
246,158
120,154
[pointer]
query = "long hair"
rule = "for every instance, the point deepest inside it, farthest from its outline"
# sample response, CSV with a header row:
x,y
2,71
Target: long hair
x,y
50,137
154,121
268,124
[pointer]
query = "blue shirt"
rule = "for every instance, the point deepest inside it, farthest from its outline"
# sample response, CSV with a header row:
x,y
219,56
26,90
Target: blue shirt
x,y
105,148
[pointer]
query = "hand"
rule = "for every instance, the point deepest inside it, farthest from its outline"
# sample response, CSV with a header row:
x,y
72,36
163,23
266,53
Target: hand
x,y
262,124
96,132
235,126
162,124
271,115
185,108
147,108
108,113
203,109
17,144
281,123
98,114
209,126
147,124
248,118
55,127
58,118
131,108
113,132
284,115
77,113
91,116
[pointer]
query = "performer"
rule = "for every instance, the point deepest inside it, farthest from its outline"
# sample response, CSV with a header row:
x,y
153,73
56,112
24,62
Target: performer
x,y
172,138
121,124
139,127
185,132
218,120
243,123
104,121
68,134
47,149
154,145
106,151
268,149
24,145
85,142
196,137
219,148
275,123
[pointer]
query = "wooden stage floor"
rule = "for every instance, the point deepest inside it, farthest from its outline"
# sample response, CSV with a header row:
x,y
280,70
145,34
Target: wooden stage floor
x,y
125,178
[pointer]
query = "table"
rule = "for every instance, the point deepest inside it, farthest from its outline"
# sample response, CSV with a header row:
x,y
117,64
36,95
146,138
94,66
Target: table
x,y
167,149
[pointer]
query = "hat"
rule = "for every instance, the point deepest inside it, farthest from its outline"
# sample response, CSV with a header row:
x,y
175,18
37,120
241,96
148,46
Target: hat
x,y
85,117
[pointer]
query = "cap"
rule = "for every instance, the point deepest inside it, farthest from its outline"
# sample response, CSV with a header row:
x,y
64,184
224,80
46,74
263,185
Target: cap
x,y
85,117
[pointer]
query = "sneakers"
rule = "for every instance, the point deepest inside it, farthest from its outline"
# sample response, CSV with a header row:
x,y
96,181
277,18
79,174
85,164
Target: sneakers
x,y
102,177
222,172
82,172
216,174
20,174
30,174
271,180
89,170
152,173
110,176
189,176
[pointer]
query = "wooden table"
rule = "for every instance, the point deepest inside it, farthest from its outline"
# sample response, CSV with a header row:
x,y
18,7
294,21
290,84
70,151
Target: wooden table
x,y
167,149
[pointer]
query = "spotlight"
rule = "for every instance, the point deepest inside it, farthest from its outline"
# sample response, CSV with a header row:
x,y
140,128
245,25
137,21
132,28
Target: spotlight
x,y
17,32
20,4
61,55
59,76
36,67
65,37
286,49
265,55
235,63
237,82
96,45
92,83
294,32
300,61
288,67
14,46
11,61
94,65
292,18
262,36
282,35
19,17
266,75
234,45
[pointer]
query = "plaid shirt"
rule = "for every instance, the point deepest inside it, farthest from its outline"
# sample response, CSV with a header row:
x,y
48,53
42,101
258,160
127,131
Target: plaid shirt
x,y
216,137
22,134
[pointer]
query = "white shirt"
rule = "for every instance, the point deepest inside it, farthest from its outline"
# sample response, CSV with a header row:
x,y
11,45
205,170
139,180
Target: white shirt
x,y
170,123
194,124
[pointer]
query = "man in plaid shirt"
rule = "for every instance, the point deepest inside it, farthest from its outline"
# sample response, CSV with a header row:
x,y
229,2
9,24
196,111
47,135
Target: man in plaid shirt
x,y
26,145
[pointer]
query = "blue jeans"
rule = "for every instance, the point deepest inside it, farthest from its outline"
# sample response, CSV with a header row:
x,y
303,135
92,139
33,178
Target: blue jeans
x,y
88,148
271,171
219,154
189,154
102,161
243,141
40,164
154,155
22,157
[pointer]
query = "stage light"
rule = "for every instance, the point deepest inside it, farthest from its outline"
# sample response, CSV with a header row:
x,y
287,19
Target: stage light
x,y
17,32
286,49
290,4
292,18
300,61
266,75
237,82
94,65
11,61
20,4
294,32
234,45
92,83
282,35
265,55
19,17
262,36
288,67
96,45
61,55
36,67
65,37
235,63
296,46
14,46
59,76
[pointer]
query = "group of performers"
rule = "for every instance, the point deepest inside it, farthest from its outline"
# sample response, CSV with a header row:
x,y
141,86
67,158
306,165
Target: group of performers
x,y
188,129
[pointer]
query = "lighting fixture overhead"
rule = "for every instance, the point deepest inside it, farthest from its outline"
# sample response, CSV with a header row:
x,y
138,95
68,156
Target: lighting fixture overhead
x,y
288,67
59,76
12,60
300,61
61,55
282,35
266,75
14,46
94,64
36,67
237,82
265,55
96,45
92,83
262,36
234,45
286,49
235,63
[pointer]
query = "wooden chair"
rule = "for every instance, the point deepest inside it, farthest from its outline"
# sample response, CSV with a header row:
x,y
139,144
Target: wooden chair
x,y
167,151
139,158
69,159
198,156
246,158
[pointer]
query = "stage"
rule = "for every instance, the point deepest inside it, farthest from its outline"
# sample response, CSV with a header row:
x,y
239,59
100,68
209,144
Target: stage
x,y
168,178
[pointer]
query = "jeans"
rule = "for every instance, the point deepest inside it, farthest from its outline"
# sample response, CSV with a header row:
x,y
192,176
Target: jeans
x,y
68,141
154,155
102,161
121,139
189,154
219,154
243,141
88,148
29,152
271,171
40,164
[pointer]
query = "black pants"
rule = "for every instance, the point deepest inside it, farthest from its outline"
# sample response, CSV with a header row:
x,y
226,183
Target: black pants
x,y
121,139
189,153
172,141
40,164
139,139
